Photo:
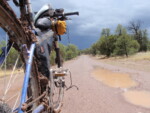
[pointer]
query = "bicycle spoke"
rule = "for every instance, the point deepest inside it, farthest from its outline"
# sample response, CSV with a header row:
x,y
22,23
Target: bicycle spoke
x,y
16,102
5,61
58,95
9,83
9,76
5,56
11,97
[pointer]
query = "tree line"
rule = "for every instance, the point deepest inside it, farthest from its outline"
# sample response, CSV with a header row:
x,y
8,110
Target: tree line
x,y
67,53
124,41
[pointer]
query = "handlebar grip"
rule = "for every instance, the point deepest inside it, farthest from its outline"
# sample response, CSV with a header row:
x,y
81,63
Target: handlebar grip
x,y
72,13
65,14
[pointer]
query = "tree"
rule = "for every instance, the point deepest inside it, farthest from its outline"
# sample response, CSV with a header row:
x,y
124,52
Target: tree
x,y
71,51
139,34
106,45
120,30
52,57
86,51
66,53
12,56
144,44
105,32
125,45
94,49
135,26
62,51
148,45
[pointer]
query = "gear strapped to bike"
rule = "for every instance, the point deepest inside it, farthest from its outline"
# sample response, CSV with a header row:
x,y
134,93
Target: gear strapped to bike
x,y
43,87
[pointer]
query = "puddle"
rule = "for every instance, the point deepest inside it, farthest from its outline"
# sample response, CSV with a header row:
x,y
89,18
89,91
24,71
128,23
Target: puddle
x,y
114,79
141,98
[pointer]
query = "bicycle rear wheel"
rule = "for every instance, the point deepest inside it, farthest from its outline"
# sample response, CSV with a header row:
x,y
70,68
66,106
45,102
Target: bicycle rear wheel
x,y
57,85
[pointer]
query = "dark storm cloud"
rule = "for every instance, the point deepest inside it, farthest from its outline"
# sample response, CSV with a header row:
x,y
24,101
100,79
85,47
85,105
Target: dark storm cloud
x,y
98,14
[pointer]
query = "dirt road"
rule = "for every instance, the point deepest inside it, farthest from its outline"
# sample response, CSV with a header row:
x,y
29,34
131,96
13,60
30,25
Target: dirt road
x,y
94,96
98,93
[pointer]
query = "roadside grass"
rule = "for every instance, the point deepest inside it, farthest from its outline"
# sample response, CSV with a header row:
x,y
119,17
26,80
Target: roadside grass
x,y
9,72
139,61
138,56
141,56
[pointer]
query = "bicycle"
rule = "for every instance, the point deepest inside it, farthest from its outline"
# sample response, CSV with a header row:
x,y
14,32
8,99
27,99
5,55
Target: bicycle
x,y
37,93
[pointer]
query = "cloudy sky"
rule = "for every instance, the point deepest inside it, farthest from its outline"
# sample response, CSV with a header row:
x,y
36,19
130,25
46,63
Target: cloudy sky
x,y
85,29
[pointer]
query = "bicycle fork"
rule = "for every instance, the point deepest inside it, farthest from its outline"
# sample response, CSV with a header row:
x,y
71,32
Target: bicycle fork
x,y
27,74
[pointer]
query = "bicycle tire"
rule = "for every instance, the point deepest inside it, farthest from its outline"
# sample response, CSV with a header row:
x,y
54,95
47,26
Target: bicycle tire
x,y
10,24
56,102
57,107
33,88
4,108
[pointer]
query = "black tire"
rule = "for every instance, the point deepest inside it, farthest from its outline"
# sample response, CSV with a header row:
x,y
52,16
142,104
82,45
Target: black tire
x,y
33,88
56,102
4,108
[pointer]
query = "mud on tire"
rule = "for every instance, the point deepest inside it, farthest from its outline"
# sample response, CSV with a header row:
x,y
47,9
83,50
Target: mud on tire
x,y
4,108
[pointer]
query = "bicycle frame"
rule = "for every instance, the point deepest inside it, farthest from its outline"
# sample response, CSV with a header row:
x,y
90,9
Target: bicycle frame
x,y
27,76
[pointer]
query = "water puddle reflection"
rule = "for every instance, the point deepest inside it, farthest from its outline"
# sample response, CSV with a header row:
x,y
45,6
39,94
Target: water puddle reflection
x,y
114,79
141,98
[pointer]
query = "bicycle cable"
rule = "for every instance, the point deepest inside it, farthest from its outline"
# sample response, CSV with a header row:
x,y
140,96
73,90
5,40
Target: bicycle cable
x,y
68,34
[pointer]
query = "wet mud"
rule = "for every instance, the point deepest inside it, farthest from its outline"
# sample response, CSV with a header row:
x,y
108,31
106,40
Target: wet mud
x,y
114,79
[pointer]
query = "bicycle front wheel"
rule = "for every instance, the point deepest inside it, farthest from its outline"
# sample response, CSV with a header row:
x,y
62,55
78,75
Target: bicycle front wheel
x,y
12,62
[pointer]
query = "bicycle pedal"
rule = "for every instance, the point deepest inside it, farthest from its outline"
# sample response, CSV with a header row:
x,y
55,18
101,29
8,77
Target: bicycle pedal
x,y
59,72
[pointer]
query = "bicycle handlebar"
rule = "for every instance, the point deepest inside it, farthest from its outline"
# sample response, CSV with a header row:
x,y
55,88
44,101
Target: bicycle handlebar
x,y
65,14
71,13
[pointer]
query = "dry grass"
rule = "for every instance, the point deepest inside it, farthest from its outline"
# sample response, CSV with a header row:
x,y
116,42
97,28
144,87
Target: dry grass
x,y
137,56
139,61
9,72
141,56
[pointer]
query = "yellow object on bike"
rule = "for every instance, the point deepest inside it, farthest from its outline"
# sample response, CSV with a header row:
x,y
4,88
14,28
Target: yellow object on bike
x,y
59,74
60,27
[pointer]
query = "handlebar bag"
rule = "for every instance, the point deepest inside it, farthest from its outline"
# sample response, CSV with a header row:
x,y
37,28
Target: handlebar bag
x,y
61,27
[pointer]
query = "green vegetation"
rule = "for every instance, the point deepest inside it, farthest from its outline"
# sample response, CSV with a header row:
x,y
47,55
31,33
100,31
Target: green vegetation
x,y
67,53
121,42
71,52
11,58
125,45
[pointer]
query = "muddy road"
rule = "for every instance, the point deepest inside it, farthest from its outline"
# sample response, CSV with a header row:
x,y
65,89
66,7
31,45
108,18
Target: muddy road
x,y
104,86
100,94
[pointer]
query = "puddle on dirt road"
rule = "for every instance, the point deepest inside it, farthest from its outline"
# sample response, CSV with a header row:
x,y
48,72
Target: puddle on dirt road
x,y
114,79
141,98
